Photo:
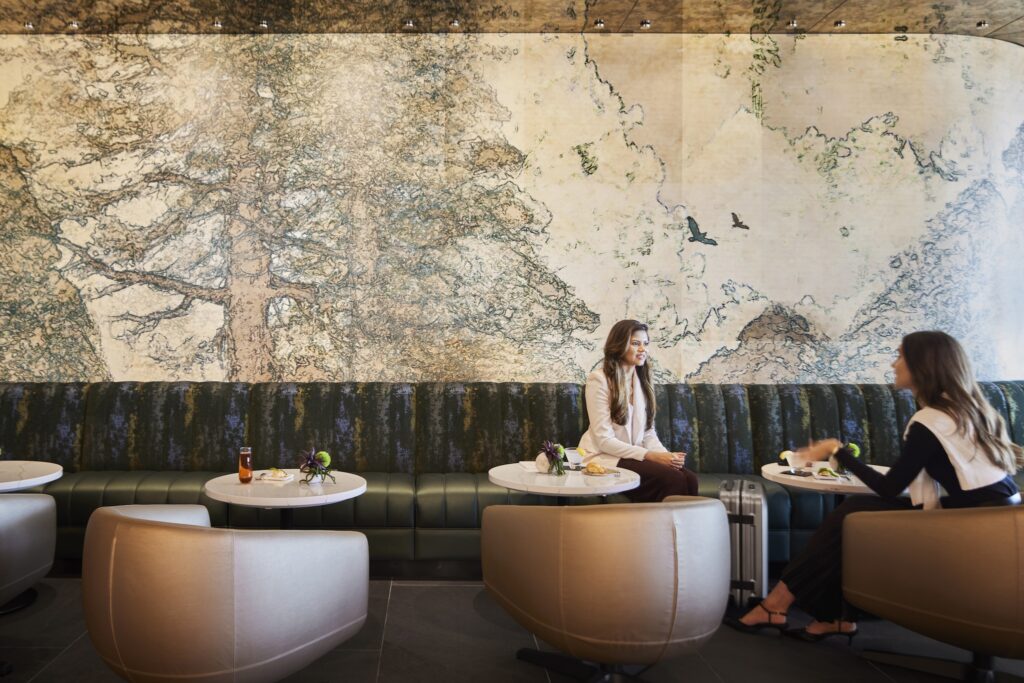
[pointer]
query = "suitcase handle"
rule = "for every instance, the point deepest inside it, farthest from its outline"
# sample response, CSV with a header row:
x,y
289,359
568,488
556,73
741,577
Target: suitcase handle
x,y
740,519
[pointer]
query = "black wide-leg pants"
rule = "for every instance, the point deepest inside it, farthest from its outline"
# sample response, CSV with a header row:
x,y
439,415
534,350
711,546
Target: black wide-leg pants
x,y
815,575
658,481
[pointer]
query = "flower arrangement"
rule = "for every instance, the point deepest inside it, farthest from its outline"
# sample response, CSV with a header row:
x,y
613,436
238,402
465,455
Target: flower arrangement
x,y
552,458
315,465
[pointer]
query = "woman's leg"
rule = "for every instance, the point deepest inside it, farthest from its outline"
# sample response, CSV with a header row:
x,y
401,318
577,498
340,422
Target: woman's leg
x,y
658,481
813,579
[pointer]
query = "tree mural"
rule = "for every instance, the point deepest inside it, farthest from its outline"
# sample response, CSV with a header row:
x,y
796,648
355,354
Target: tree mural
x,y
275,208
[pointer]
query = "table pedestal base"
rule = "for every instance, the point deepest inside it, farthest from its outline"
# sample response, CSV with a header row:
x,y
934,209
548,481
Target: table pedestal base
x,y
573,668
19,602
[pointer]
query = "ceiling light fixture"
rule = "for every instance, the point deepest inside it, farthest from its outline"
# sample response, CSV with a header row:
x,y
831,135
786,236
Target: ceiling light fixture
x,y
982,24
408,24
599,23
29,26
839,23
73,25
217,24
454,23
792,23
264,25
645,24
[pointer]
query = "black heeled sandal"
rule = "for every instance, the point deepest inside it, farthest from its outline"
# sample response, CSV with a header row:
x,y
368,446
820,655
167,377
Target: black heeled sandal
x,y
734,622
802,634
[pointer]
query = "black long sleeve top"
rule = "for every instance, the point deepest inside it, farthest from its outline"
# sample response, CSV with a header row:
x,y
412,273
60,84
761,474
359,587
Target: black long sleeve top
x,y
921,450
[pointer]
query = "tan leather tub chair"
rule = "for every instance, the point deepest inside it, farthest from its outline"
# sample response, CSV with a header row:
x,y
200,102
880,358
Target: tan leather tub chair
x,y
167,598
28,536
952,575
611,584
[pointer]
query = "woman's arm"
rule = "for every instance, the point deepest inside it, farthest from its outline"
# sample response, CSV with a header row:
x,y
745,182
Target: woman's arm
x,y
601,425
651,441
918,448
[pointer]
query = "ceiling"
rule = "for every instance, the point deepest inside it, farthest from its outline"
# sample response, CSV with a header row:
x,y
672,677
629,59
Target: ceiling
x,y
1000,19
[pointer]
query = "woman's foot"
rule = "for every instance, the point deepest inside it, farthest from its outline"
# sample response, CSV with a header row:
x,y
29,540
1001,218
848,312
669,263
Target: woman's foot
x,y
761,614
819,630
757,619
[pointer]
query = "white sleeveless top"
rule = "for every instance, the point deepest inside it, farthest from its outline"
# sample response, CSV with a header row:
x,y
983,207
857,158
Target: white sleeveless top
x,y
973,468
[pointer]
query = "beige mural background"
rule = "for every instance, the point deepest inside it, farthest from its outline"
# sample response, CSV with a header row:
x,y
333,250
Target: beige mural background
x,y
371,207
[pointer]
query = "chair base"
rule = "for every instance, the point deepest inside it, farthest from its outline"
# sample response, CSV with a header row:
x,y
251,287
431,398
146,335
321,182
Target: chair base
x,y
19,602
978,671
576,669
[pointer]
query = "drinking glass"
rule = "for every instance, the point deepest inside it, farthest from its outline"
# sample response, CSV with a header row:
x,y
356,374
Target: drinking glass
x,y
245,465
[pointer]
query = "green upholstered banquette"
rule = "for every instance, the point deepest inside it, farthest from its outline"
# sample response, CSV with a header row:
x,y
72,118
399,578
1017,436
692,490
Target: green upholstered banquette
x,y
424,448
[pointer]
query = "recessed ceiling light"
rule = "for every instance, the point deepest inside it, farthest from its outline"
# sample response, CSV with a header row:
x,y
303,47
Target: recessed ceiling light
x,y
454,23
29,26
645,24
599,23
839,23
408,24
792,23
218,24
264,25
982,24
73,25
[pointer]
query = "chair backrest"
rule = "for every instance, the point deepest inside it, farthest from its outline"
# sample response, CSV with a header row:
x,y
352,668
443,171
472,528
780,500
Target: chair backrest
x,y
616,584
167,598
953,575
28,536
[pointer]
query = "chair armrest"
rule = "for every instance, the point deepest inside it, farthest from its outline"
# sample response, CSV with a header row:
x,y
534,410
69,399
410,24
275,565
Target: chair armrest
x,y
953,575
193,515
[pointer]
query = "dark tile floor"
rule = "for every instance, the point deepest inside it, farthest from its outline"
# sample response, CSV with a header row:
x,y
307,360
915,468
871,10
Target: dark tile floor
x,y
453,631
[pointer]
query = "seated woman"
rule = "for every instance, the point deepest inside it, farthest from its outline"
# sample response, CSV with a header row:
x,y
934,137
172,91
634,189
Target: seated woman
x,y
956,440
621,407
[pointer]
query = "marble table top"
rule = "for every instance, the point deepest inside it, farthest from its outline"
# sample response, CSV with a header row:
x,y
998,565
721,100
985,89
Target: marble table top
x,y
515,476
24,474
289,494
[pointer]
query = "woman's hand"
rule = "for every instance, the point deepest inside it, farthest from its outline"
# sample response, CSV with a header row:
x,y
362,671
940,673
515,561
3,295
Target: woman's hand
x,y
819,450
676,460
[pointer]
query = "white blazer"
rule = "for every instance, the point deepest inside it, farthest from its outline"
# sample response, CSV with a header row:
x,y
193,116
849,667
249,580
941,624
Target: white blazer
x,y
973,468
607,442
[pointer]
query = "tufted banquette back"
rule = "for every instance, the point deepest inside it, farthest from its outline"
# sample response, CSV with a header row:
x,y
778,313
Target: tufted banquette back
x,y
433,427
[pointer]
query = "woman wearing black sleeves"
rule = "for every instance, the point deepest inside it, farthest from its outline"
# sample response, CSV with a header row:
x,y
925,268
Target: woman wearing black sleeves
x,y
955,441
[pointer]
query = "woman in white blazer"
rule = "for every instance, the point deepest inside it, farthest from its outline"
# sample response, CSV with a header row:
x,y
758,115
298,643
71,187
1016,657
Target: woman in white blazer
x,y
621,408
956,440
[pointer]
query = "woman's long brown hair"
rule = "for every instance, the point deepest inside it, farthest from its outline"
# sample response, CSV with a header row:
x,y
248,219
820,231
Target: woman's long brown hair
x,y
615,348
943,379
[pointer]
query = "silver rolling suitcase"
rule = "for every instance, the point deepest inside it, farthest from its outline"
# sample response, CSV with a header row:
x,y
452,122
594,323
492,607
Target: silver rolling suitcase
x,y
748,535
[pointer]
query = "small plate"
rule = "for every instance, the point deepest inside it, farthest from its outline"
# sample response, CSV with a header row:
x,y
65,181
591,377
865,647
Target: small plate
x,y
609,472
264,477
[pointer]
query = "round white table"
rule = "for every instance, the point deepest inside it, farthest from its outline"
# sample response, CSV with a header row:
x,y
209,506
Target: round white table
x,y
847,485
572,483
16,475
286,495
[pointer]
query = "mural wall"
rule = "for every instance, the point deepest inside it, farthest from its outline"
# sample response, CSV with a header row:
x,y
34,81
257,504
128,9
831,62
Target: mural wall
x,y
382,207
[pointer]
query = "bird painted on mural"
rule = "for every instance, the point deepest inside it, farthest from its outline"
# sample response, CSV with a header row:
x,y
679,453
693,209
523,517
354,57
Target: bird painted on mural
x,y
737,223
696,235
